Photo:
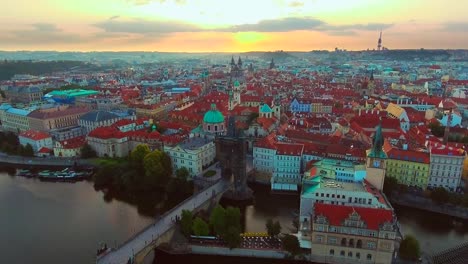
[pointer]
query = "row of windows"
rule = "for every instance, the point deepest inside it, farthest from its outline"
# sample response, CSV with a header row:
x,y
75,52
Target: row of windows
x,y
442,180
447,160
449,167
350,254
281,157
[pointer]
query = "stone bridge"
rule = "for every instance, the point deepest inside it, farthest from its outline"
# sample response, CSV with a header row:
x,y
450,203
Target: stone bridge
x,y
142,243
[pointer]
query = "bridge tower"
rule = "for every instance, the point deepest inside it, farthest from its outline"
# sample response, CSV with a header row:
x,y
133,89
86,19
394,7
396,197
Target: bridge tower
x,y
231,152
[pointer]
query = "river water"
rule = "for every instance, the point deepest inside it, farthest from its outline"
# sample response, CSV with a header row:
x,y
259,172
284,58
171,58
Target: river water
x,y
44,222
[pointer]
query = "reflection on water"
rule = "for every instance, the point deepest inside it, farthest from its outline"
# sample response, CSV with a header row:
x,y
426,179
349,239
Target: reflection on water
x,y
46,222
435,232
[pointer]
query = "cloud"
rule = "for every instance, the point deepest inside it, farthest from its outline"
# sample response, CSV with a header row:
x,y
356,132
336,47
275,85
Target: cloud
x,y
113,17
45,27
296,4
39,34
456,27
278,25
341,33
158,29
366,27
141,26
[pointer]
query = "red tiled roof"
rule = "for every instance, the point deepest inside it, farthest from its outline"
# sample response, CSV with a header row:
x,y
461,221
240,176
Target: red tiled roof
x,y
336,214
44,150
50,113
72,143
409,155
268,142
34,134
447,151
106,133
289,149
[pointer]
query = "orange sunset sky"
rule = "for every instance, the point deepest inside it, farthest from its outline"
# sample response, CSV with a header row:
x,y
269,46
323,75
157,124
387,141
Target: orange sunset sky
x,y
231,26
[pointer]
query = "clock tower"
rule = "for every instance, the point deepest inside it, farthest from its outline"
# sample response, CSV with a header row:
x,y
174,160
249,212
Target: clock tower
x,y
376,160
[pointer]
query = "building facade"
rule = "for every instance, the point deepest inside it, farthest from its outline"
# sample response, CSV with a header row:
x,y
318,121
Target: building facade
x,y
195,154
69,148
409,167
347,234
15,120
446,167
94,119
37,139
287,174
56,118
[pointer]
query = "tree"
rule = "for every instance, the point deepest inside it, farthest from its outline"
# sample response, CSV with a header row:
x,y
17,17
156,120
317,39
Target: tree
x,y
276,228
291,244
87,152
186,222
200,227
232,218
105,176
167,163
182,173
138,154
217,220
2,94
409,248
156,173
273,228
28,151
390,185
232,237
440,195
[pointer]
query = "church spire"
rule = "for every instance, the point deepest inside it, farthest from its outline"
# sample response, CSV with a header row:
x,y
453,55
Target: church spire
x,y
232,61
377,143
239,62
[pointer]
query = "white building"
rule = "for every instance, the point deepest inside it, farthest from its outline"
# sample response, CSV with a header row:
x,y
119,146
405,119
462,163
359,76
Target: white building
x,y
446,167
195,154
287,174
264,152
69,148
37,139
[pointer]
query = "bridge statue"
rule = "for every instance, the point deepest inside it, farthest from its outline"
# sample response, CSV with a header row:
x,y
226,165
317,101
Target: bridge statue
x,y
231,152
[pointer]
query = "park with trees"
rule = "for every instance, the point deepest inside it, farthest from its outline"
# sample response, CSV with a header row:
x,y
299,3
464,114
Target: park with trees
x,y
144,178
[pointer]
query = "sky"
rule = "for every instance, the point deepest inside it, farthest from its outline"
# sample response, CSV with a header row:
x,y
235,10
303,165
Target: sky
x,y
232,26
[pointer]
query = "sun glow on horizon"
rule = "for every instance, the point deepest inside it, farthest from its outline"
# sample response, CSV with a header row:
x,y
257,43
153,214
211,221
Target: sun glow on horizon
x,y
201,25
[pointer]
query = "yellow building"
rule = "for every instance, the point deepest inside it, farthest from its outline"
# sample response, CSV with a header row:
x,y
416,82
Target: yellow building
x,y
409,167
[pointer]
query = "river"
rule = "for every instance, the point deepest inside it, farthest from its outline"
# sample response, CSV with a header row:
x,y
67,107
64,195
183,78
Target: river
x,y
44,222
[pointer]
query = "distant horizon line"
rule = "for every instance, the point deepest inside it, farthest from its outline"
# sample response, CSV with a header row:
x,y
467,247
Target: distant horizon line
x,y
221,52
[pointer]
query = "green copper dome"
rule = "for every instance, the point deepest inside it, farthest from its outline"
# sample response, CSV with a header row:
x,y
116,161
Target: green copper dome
x,y
236,83
213,116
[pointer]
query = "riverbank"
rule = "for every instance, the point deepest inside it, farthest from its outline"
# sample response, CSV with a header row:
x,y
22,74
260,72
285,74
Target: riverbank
x,y
36,162
414,201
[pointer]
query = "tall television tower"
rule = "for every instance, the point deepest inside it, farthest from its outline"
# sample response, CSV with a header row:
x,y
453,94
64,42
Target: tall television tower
x,y
379,43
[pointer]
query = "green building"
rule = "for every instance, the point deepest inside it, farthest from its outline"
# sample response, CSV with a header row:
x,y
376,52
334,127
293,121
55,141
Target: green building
x,y
409,167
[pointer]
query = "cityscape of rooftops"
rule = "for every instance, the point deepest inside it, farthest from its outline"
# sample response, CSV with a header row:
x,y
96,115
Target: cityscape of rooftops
x,y
204,131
